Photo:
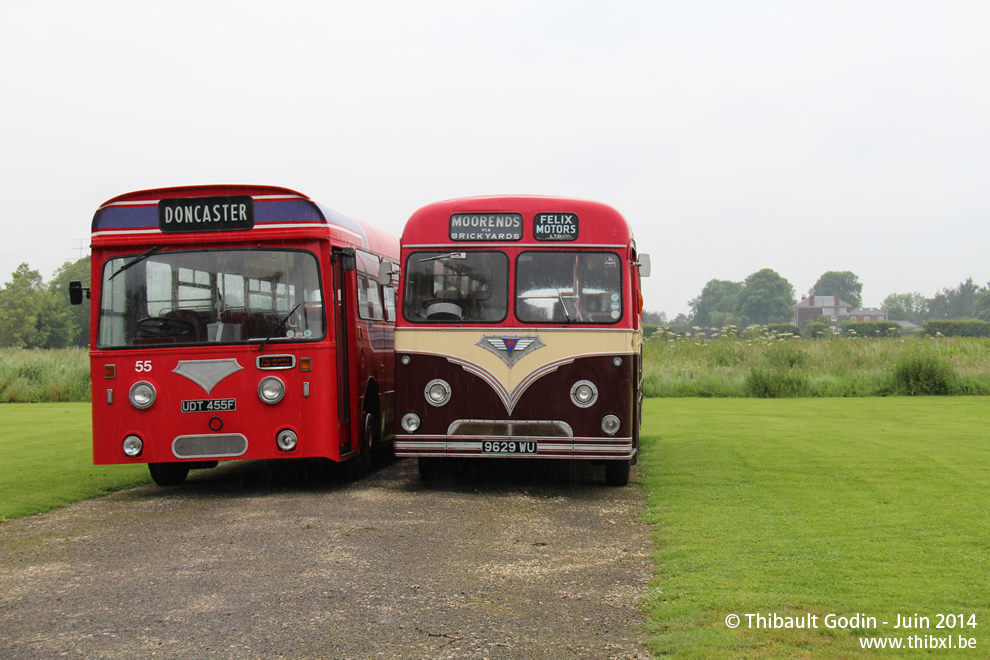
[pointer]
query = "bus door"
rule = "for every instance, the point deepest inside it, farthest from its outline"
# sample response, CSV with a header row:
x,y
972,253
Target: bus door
x,y
343,262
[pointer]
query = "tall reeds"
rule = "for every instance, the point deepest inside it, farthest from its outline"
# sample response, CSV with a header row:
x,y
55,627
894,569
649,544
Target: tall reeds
x,y
37,376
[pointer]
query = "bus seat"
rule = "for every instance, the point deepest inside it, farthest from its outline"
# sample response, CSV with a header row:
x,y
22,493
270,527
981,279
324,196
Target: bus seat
x,y
444,311
596,302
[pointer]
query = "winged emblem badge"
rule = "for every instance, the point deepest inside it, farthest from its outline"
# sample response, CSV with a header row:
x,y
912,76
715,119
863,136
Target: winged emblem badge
x,y
511,348
207,373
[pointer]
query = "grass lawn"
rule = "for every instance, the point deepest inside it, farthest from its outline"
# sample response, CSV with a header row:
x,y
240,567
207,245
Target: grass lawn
x,y
796,507
780,507
46,459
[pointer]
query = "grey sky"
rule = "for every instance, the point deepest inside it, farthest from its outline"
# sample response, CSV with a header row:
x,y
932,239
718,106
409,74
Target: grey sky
x,y
734,136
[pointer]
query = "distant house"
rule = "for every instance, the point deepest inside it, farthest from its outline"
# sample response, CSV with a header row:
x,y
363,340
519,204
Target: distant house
x,y
835,309
866,314
810,308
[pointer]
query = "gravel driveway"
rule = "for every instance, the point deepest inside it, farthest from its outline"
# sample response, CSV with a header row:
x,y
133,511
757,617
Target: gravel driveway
x,y
506,559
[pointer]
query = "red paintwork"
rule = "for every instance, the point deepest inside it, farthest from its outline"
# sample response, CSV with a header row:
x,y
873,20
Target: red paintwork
x,y
317,419
600,223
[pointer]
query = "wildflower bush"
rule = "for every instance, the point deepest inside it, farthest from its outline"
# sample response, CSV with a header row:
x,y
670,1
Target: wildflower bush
x,y
872,329
782,329
817,330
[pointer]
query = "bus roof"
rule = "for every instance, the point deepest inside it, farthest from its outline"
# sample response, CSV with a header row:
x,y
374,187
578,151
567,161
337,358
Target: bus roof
x,y
141,214
546,221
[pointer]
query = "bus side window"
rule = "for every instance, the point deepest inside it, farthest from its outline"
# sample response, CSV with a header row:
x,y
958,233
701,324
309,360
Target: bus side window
x,y
390,303
369,299
369,291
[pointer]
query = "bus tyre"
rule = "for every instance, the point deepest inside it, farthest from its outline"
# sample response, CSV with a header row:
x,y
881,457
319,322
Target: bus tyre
x,y
429,468
616,473
360,465
168,474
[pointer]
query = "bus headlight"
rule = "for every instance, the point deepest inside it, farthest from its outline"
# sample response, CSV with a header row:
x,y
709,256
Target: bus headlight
x,y
584,394
142,395
611,424
133,446
437,392
410,422
286,440
271,390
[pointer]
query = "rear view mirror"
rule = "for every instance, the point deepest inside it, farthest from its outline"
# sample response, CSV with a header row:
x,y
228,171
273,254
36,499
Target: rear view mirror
x,y
644,265
76,292
388,273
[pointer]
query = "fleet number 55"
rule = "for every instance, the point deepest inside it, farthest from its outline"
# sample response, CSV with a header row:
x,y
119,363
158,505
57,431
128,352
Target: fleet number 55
x,y
142,365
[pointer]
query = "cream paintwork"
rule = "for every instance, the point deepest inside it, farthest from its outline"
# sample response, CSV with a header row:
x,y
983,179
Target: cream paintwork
x,y
560,347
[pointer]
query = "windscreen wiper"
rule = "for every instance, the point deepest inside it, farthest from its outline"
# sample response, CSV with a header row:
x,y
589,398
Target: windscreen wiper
x,y
278,328
560,297
452,255
134,262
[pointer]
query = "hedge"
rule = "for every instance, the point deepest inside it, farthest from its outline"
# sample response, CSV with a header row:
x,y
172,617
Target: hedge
x,y
872,329
970,328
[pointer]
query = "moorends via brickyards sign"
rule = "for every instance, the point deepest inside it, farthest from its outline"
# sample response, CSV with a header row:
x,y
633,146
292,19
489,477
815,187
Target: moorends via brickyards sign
x,y
486,227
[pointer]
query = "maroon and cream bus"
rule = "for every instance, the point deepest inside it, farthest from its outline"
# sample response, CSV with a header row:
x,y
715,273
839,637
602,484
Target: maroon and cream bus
x,y
520,333
238,322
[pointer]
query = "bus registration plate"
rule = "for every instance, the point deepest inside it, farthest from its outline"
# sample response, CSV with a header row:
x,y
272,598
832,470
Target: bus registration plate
x,y
209,405
508,447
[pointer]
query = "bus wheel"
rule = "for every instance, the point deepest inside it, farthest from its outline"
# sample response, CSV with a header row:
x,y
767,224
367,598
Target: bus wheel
x,y
430,468
360,465
168,474
616,473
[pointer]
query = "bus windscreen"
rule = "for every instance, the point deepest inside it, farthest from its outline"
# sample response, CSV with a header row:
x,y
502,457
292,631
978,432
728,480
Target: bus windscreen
x,y
456,287
210,296
568,287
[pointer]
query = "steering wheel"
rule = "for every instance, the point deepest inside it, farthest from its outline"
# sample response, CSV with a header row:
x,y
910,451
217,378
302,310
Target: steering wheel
x,y
164,327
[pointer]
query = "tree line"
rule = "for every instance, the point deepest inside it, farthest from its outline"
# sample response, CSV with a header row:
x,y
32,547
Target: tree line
x,y
36,314
766,297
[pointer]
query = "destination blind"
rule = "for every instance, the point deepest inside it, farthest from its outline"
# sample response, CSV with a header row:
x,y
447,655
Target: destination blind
x,y
486,227
197,214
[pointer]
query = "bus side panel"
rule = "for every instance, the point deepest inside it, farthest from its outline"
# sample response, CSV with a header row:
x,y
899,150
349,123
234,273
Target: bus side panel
x,y
376,364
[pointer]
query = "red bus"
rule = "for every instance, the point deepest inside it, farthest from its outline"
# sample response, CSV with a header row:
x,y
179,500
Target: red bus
x,y
238,322
520,333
